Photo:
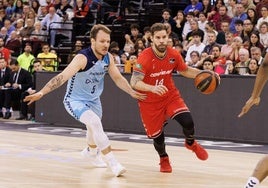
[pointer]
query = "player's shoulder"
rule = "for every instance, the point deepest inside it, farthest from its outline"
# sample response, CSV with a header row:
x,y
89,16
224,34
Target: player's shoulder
x,y
86,51
146,55
147,52
173,51
174,54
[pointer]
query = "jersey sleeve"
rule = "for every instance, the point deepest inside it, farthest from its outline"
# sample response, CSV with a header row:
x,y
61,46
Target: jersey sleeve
x,y
140,66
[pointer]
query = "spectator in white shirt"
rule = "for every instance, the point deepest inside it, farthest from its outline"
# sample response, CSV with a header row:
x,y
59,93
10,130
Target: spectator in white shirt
x,y
196,46
202,20
264,34
264,18
187,28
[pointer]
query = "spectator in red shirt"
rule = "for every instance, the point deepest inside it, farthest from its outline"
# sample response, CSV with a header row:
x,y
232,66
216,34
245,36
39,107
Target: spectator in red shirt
x,y
81,11
14,44
219,17
4,51
218,60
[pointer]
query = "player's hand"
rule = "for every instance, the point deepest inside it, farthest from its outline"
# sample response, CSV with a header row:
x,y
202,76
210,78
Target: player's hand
x,y
137,95
218,76
159,89
34,97
251,101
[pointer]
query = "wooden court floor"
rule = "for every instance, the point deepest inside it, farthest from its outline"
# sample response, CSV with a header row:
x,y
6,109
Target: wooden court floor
x,y
31,160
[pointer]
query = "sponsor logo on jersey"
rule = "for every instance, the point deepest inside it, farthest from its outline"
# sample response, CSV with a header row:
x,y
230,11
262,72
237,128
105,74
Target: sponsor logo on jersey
x,y
171,60
138,66
163,72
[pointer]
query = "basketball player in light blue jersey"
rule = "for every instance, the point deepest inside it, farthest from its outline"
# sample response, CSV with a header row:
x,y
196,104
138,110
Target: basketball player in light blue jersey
x,y
85,75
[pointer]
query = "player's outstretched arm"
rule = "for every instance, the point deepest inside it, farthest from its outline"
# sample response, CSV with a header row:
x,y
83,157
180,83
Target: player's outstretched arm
x,y
190,72
77,63
122,82
261,79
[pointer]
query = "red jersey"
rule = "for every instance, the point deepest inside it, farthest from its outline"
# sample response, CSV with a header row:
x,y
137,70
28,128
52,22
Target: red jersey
x,y
158,71
6,54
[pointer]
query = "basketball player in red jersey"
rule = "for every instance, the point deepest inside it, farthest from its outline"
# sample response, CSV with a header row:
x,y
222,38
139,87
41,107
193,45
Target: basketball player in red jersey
x,y
153,75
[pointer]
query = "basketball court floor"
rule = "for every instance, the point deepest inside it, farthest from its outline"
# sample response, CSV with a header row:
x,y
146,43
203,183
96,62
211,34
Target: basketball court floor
x,y
34,155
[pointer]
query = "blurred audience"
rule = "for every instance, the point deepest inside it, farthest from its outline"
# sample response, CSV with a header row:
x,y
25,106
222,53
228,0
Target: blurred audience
x,y
26,59
253,67
230,68
19,81
225,36
24,108
255,53
208,64
77,47
4,78
4,51
13,43
48,59
242,66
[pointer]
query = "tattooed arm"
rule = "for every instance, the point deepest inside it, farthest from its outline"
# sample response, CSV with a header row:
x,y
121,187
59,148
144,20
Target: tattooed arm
x,y
137,82
78,63
260,81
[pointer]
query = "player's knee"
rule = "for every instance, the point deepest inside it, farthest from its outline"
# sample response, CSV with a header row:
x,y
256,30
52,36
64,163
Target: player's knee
x,y
93,123
91,120
185,120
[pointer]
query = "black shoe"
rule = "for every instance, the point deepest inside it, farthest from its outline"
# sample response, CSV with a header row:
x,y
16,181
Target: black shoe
x,y
1,114
21,118
7,115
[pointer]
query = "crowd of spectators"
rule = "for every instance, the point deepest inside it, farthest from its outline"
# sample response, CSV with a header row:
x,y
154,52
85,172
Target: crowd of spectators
x,y
232,34
225,36
29,31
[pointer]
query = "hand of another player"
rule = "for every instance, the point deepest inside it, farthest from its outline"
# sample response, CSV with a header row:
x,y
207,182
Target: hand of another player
x,y
251,101
159,89
137,95
34,97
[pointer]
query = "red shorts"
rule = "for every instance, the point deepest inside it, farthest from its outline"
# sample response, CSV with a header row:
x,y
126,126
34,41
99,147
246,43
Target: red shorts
x,y
155,114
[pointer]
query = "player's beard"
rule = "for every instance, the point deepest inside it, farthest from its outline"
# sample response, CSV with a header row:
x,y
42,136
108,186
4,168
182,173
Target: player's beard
x,y
161,48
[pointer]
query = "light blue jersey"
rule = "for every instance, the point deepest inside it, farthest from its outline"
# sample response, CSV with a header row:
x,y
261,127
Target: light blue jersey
x,y
85,87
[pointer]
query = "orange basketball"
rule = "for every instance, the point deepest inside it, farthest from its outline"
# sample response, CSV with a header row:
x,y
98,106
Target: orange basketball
x,y
206,82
